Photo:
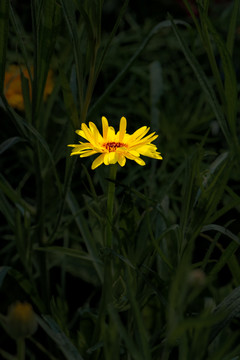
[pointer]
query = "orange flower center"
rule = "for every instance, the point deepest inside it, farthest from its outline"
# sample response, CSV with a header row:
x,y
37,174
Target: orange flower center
x,y
112,146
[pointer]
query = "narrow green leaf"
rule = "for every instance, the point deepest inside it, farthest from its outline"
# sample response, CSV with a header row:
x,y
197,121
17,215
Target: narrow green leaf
x,y
19,30
7,210
225,257
85,232
87,21
208,44
6,355
30,133
4,18
70,164
173,228
16,119
3,273
69,101
192,168
26,96
232,26
222,230
70,252
132,348
230,81
111,36
69,13
14,196
203,321
47,26
7,144
191,12
122,73
141,330
57,335
205,85
28,287
230,308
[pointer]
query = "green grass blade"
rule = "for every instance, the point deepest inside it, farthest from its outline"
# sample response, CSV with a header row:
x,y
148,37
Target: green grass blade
x,y
3,273
7,210
28,132
222,230
57,335
111,36
7,144
205,85
142,333
132,348
206,39
124,71
47,27
226,256
14,196
20,36
69,101
79,254
4,19
230,308
6,355
85,232
26,97
232,27
28,286
69,14
16,119
230,81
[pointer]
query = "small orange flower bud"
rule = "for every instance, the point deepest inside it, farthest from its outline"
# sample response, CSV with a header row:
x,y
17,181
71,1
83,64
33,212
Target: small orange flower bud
x,y
197,278
21,320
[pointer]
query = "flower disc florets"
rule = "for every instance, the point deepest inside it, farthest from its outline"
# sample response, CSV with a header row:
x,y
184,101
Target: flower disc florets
x,y
115,147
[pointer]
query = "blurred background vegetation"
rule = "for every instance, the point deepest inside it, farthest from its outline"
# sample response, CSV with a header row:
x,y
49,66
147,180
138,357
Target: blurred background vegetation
x,y
170,65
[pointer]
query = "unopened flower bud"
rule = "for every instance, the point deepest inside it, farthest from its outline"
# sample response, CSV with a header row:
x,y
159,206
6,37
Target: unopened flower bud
x,y
197,278
21,320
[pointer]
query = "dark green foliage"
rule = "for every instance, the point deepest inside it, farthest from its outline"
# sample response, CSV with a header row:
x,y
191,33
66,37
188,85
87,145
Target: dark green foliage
x,y
167,287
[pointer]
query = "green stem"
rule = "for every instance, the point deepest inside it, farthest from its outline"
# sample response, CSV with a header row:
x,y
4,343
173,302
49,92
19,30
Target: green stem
x,y
101,328
21,349
110,203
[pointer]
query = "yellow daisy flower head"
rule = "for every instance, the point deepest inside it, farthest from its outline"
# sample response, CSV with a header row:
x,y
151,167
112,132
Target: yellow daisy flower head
x,y
115,147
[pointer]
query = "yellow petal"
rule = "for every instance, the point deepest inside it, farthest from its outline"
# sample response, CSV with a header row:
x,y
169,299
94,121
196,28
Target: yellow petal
x,y
88,153
88,134
121,160
104,128
150,151
135,158
111,137
110,158
147,140
98,161
97,136
81,147
138,134
81,133
122,128
139,161
134,153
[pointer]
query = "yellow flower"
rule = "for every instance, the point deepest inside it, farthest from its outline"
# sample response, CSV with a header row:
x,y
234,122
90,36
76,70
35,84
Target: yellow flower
x,y
115,148
13,85
21,320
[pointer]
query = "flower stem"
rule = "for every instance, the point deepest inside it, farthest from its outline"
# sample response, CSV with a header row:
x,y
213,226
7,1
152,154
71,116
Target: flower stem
x,y
110,203
106,298
21,349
